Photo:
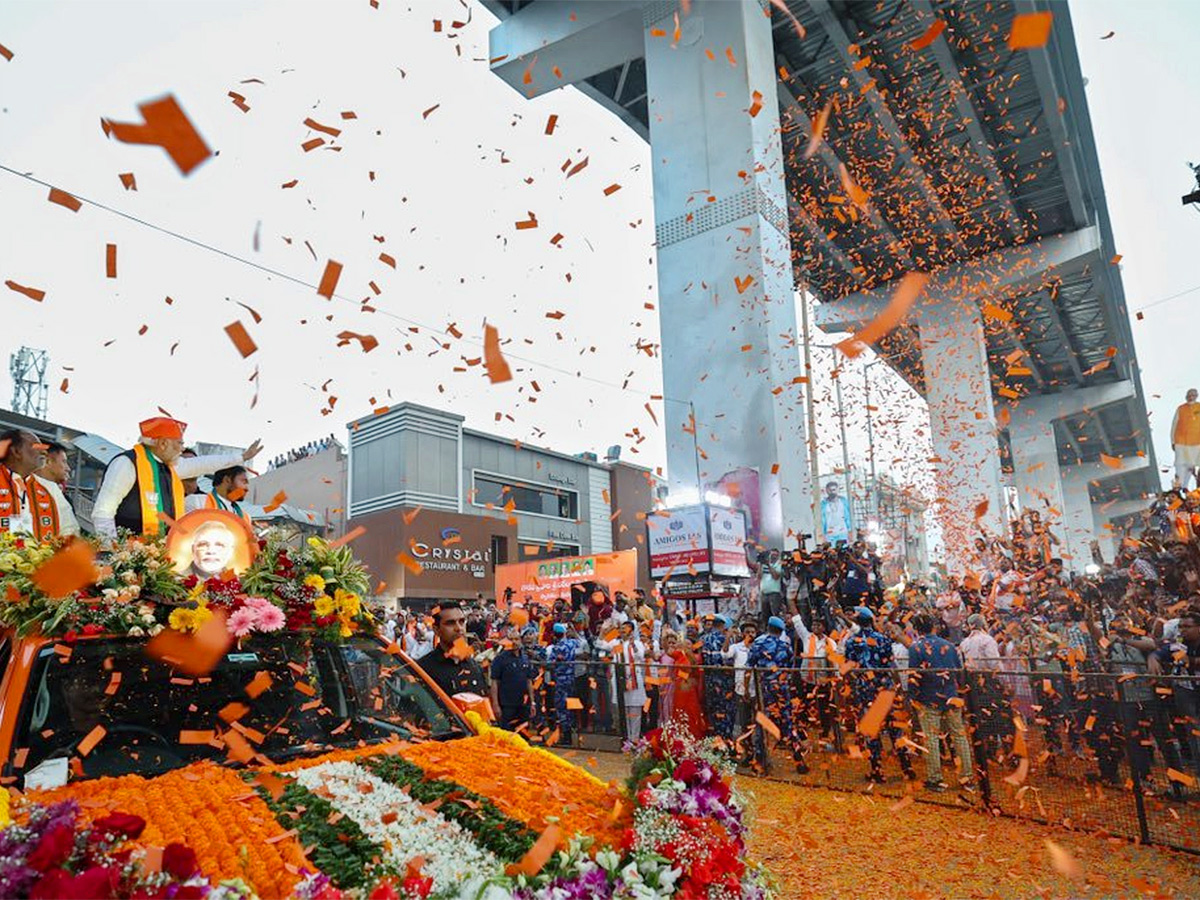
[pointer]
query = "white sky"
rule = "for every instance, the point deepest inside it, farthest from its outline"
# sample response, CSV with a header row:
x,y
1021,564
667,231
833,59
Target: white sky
x,y
447,192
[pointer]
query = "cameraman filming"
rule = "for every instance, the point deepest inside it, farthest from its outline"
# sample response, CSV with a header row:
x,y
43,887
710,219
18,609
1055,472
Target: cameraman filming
x,y
770,585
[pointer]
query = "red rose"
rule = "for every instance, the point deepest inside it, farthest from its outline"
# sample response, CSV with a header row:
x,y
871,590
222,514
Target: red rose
x,y
179,861
121,823
687,771
92,628
96,882
190,582
71,636
53,849
384,891
417,886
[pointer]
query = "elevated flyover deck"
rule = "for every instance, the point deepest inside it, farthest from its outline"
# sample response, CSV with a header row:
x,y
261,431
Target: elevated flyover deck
x,y
943,150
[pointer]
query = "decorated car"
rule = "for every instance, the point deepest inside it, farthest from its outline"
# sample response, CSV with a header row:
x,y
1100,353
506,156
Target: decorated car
x,y
170,735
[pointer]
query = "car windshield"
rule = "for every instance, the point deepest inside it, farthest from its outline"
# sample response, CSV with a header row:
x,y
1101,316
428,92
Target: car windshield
x,y
109,709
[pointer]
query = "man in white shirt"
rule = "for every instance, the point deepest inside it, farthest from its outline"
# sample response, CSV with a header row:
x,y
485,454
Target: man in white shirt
x,y
631,653
54,473
743,679
142,487
813,651
418,640
979,649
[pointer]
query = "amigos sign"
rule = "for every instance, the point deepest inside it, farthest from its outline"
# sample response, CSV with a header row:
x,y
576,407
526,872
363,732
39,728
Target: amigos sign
x,y
694,540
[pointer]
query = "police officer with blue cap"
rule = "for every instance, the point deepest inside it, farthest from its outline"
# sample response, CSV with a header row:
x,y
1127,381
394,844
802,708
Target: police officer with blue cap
x,y
719,703
771,653
561,656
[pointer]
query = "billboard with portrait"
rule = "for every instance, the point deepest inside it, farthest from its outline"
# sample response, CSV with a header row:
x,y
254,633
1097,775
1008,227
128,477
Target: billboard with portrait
x,y
208,543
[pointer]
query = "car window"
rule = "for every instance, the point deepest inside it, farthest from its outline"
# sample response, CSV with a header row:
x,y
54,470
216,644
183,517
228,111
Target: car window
x,y
145,718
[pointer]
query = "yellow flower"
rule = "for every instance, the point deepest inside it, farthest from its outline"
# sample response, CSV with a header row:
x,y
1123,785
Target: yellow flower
x,y
314,542
347,628
323,606
348,604
184,619
5,818
315,581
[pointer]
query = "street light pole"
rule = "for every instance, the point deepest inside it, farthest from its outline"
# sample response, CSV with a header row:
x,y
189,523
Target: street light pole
x,y
814,468
874,500
837,390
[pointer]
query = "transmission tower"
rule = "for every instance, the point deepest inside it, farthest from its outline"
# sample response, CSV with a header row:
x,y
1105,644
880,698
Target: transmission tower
x,y
30,392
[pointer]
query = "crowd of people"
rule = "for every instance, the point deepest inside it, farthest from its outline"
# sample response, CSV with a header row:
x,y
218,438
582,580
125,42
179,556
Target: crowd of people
x,y
312,448
815,655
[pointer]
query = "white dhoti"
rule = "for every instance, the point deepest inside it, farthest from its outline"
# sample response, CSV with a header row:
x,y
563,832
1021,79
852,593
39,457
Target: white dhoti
x,y
1187,460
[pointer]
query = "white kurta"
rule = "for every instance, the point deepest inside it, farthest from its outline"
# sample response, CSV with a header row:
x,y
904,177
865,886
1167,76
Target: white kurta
x,y
121,478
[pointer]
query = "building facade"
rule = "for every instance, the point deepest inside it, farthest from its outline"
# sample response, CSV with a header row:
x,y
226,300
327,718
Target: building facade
x,y
419,481
315,484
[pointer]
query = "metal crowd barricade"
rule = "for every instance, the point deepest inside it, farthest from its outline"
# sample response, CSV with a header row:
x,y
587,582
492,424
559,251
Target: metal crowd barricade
x,y
1116,754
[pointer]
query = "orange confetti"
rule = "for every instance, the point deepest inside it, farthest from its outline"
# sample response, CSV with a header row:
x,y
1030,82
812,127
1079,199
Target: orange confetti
x,y
531,222
196,737
329,279
1030,30
930,35
194,654
6,53
460,649
31,293
856,194
257,685
538,855
409,563
1064,863
781,5
905,295
62,198
742,283
611,189
110,260
995,312
165,125
876,713
368,342
493,359
756,104
1113,462
820,123
550,123
350,535
767,725
90,740
241,339
128,181
71,568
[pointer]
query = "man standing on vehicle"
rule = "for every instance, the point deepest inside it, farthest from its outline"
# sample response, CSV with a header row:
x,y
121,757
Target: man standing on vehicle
x,y
449,663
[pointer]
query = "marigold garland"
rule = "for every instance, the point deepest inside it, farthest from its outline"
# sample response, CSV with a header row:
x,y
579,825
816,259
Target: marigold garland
x,y
514,777
210,809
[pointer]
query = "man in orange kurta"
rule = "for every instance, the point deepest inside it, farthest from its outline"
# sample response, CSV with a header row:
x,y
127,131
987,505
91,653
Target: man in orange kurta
x,y
1185,441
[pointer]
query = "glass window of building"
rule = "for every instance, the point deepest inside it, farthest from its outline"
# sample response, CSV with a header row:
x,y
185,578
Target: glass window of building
x,y
527,498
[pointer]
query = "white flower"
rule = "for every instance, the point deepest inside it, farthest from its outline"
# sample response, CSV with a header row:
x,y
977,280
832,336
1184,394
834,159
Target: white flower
x,y
608,859
109,593
135,631
452,859
155,629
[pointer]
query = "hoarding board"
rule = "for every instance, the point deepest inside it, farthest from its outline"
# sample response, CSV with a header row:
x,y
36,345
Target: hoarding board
x,y
727,530
677,540
545,580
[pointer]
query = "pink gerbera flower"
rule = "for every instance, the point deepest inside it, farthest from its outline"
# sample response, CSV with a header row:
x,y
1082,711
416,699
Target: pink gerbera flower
x,y
242,621
270,618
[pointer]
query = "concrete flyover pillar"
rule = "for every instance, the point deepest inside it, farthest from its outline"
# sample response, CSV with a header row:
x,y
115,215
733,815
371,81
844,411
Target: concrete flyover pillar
x,y
726,286
1060,493
963,427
